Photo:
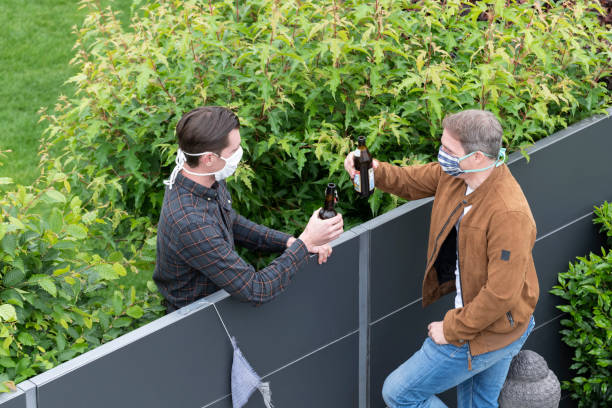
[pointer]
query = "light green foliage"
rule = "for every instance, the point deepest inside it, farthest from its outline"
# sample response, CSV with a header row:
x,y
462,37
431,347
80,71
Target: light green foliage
x,y
57,261
308,78
587,287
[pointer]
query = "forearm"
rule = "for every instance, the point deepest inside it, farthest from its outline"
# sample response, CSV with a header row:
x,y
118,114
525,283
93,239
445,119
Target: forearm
x,y
265,284
258,237
410,182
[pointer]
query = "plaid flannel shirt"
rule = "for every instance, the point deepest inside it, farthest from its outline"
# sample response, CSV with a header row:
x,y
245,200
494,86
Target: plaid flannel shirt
x,y
195,248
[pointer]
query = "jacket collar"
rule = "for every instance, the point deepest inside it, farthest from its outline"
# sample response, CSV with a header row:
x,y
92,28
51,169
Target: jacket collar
x,y
486,186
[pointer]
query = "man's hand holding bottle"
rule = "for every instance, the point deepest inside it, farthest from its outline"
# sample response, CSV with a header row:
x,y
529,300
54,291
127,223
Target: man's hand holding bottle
x,y
349,165
360,166
318,233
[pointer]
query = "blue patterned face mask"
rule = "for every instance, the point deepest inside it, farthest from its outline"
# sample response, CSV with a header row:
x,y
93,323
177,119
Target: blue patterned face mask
x,y
450,164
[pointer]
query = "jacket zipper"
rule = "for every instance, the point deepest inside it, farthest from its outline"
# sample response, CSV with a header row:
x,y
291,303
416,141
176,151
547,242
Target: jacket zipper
x,y
462,203
462,300
510,318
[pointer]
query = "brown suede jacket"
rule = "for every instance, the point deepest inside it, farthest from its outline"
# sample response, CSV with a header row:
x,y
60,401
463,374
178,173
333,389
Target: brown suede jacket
x,y
498,279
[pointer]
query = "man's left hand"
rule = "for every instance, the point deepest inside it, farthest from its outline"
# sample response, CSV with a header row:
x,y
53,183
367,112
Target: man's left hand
x,y
324,252
436,332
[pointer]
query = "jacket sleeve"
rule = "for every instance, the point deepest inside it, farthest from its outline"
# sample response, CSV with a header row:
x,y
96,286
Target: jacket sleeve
x,y
510,240
410,182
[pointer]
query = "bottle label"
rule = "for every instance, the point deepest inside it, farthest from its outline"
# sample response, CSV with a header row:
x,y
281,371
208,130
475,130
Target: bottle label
x,y
357,182
371,178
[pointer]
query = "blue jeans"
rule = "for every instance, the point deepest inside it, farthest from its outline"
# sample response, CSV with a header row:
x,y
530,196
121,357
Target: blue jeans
x,y
436,368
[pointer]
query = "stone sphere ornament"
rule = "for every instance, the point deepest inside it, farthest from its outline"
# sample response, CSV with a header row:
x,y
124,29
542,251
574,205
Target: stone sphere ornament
x,y
530,383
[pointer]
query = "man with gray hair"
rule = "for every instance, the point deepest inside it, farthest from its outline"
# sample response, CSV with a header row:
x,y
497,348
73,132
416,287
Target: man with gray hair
x,y
481,238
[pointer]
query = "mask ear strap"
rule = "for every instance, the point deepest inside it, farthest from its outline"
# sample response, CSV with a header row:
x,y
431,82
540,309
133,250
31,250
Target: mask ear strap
x,y
501,157
180,165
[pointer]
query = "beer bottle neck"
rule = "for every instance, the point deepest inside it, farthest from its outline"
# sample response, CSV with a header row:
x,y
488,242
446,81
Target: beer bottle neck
x,y
329,201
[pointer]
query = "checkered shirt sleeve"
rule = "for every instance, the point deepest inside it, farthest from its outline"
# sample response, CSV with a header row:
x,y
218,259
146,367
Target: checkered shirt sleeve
x,y
203,247
258,237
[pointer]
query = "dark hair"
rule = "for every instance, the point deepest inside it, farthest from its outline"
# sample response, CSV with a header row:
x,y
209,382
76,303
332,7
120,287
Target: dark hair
x,y
205,129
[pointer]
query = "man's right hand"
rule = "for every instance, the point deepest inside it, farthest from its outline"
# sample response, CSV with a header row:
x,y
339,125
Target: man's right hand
x,y
349,164
319,232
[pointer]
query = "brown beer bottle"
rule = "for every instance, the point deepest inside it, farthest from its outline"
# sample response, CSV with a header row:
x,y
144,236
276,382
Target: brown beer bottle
x,y
331,196
364,177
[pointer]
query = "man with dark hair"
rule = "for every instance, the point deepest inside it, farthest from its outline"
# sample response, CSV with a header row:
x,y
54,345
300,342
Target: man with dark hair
x,y
481,236
198,227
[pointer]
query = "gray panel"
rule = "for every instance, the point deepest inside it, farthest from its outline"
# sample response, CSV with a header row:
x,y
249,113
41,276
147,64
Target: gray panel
x,y
399,252
319,306
15,399
325,379
192,355
552,255
567,174
399,336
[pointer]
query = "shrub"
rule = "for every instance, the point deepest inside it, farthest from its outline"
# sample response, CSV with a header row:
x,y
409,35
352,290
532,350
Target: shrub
x,y
57,262
603,217
308,78
587,287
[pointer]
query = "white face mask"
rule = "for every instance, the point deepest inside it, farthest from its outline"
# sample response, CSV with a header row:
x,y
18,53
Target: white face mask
x,y
231,164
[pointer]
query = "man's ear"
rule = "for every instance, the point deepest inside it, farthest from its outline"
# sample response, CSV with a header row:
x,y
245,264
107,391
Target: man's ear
x,y
206,160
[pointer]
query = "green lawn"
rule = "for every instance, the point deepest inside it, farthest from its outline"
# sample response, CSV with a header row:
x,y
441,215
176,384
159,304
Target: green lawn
x,y
35,47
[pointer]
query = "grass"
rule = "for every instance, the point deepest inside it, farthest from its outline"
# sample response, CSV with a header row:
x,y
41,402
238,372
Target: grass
x,y
36,43
35,49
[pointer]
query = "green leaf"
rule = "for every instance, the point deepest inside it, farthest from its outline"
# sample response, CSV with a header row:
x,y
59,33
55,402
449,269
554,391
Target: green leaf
x,y
56,221
13,277
122,322
26,339
134,311
7,362
77,231
9,244
6,180
8,313
119,269
46,283
151,286
106,272
55,196
16,224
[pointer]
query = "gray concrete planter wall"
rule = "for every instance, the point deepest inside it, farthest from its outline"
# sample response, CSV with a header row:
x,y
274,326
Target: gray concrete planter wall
x,y
340,328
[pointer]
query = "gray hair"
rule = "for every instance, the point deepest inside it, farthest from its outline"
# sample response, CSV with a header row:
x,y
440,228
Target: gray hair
x,y
477,130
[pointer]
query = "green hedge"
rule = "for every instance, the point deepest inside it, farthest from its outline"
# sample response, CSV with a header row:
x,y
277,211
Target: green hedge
x,y
587,287
58,271
308,78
